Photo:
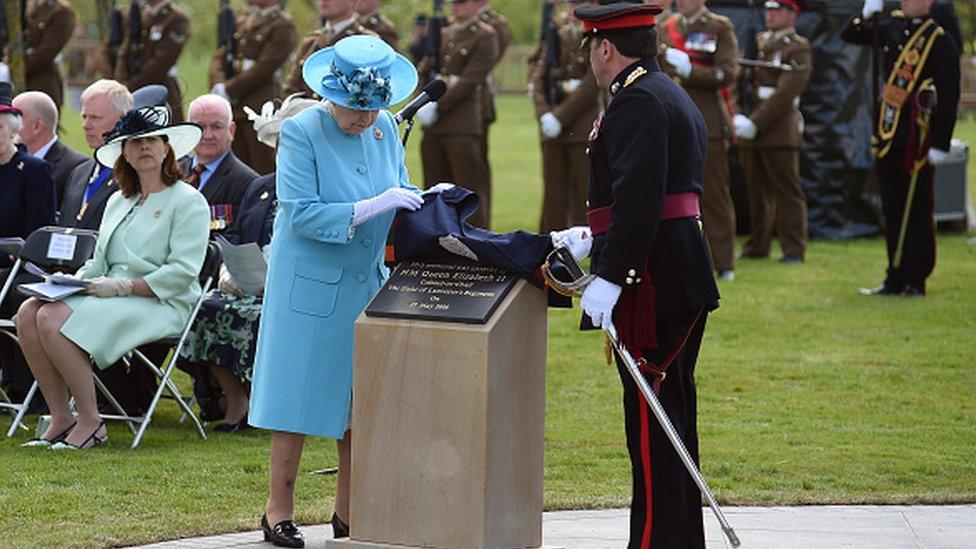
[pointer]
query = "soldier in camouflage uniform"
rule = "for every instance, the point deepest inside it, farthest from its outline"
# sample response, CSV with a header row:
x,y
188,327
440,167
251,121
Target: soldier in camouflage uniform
x,y
265,38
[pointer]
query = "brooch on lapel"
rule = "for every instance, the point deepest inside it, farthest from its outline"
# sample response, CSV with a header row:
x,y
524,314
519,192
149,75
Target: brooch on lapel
x,y
21,166
265,195
157,213
378,133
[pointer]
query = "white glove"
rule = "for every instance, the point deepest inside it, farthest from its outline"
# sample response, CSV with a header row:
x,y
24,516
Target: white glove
x,y
226,283
872,7
4,72
108,287
530,90
427,114
577,239
550,126
679,60
221,90
571,85
391,199
599,297
438,188
936,156
745,128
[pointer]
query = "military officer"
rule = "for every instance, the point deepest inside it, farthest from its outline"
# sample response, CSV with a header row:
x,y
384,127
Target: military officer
x,y
654,279
265,38
503,34
151,57
914,129
50,24
451,149
771,137
701,53
371,19
340,21
567,102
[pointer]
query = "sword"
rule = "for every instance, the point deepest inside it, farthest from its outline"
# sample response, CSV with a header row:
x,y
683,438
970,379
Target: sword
x,y
561,261
769,65
924,116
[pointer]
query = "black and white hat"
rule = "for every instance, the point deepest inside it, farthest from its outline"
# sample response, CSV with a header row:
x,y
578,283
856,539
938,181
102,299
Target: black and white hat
x,y
148,122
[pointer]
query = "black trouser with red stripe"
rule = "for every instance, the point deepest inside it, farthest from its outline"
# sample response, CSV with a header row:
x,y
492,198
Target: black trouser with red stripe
x,y
666,509
918,251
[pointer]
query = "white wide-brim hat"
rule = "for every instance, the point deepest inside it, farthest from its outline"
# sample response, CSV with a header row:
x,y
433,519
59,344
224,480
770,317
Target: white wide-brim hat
x,y
361,73
148,122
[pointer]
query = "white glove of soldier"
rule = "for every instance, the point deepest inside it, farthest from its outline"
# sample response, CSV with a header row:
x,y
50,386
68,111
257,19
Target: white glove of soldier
x,y
438,188
108,287
872,7
936,156
226,283
744,127
391,199
427,114
571,85
4,72
550,126
221,90
599,297
577,239
679,60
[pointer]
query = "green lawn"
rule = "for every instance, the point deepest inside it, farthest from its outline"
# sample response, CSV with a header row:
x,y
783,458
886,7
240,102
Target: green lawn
x,y
809,393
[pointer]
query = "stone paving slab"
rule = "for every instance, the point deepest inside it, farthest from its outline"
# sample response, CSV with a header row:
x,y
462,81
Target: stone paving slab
x,y
827,527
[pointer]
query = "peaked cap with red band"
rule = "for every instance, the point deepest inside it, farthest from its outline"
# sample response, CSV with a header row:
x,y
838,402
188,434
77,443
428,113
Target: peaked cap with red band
x,y
616,15
798,6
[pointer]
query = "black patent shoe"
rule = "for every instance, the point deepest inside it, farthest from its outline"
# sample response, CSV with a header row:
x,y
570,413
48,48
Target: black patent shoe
x,y
883,289
913,291
339,529
284,534
232,427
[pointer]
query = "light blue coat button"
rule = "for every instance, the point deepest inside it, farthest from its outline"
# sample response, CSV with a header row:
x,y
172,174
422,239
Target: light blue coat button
x,y
367,241
362,278
319,232
361,169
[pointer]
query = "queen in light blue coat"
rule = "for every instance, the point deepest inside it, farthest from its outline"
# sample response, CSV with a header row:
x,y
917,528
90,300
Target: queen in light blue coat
x,y
340,180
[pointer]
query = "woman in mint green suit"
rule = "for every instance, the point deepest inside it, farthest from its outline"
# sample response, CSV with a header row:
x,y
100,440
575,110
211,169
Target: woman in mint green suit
x,y
141,282
340,179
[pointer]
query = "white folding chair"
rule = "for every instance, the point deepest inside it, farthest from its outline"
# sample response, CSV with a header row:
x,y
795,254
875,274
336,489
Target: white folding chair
x,y
49,249
164,370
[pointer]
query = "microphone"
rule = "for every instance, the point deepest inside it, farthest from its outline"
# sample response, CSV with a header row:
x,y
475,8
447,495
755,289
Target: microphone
x,y
432,92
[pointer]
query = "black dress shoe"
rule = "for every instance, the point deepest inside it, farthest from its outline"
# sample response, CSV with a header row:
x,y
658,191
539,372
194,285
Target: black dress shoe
x,y
339,529
883,289
232,427
284,534
913,291
791,259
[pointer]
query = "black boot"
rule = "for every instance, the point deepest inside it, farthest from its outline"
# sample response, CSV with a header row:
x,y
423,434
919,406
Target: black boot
x,y
339,529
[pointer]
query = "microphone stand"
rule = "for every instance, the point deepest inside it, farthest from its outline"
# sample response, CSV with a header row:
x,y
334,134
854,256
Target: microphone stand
x,y
406,132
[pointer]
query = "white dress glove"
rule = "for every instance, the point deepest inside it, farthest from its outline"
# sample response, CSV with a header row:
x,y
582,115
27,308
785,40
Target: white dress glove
x,y
679,60
745,128
391,199
438,188
221,90
577,239
427,114
108,287
226,283
550,126
936,156
599,297
872,7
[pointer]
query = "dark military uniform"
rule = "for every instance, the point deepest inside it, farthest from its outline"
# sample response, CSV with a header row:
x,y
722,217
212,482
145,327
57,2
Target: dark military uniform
x,y
564,160
670,255
709,39
910,46
313,42
451,147
265,39
503,36
382,26
771,161
50,24
165,29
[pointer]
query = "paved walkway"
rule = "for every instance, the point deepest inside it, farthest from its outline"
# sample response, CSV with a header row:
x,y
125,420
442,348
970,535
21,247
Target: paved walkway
x,y
828,527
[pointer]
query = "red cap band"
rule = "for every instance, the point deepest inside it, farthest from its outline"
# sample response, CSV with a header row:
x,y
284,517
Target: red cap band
x,y
621,22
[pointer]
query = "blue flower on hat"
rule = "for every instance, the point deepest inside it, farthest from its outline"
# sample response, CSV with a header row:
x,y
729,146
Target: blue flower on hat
x,y
363,87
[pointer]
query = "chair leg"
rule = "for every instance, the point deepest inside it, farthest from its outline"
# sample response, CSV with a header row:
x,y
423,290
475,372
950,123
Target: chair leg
x,y
22,410
164,384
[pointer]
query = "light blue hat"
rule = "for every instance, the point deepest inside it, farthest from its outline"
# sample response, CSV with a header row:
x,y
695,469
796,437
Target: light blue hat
x,y
361,73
